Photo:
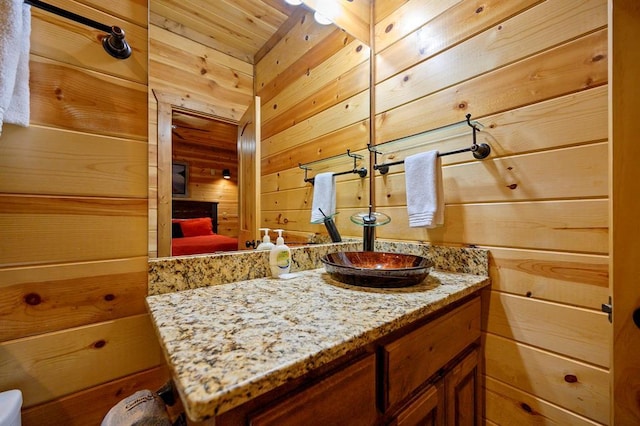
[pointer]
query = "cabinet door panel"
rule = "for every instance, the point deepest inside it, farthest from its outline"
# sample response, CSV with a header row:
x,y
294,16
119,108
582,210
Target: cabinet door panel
x,y
463,403
415,357
345,396
426,410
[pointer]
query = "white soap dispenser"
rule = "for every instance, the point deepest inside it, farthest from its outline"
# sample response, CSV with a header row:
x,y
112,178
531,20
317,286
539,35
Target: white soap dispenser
x,y
266,243
279,257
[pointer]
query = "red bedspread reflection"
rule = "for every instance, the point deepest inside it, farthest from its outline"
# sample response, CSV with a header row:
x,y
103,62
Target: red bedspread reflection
x,y
202,244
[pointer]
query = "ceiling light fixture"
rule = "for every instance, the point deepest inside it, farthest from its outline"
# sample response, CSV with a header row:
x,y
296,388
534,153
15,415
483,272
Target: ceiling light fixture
x,y
293,2
321,19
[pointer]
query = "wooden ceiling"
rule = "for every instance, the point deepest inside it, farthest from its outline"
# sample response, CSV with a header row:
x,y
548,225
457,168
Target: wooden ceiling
x,y
243,29
210,135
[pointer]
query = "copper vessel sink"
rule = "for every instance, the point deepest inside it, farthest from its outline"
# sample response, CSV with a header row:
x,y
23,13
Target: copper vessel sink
x,y
377,269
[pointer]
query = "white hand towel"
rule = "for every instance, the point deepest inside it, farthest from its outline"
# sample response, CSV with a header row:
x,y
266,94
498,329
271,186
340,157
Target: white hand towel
x,y
324,196
15,31
425,197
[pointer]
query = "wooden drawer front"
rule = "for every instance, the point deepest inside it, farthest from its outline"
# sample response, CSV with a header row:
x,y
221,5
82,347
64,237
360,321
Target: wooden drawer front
x,y
347,396
415,357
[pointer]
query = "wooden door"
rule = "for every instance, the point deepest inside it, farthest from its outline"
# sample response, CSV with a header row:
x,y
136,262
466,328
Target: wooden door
x,y
249,175
425,410
463,393
624,128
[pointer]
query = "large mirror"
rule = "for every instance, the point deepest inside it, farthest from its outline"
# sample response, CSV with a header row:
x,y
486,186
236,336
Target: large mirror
x,y
313,84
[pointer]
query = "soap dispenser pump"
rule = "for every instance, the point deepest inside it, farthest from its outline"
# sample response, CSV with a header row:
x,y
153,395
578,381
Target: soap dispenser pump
x,y
266,243
280,257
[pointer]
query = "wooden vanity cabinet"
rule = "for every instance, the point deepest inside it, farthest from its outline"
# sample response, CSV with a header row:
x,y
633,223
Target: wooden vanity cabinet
x,y
347,394
451,400
426,376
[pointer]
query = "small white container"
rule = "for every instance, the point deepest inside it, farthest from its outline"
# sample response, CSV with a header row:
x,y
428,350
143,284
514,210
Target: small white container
x,y
266,243
10,405
279,257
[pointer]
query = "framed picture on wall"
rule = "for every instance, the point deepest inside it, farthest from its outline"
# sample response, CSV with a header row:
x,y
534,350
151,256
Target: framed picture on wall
x,y
180,179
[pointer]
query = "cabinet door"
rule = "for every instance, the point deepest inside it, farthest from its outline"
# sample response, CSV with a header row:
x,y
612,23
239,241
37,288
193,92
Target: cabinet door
x,y
345,397
425,410
462,392
415,357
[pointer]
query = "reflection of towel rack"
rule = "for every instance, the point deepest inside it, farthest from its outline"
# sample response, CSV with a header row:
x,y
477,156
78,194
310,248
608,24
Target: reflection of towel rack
x,y
362,171
114,42
480,151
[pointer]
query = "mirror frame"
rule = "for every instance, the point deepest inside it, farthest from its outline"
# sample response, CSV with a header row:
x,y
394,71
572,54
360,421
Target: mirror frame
x,y
167,104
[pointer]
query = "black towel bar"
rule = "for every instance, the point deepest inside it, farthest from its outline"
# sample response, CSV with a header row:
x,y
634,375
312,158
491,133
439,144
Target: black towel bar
x,y
362,171
480,151
114,43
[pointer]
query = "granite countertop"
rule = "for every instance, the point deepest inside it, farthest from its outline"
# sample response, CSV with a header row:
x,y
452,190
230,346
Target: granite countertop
x,y
229,343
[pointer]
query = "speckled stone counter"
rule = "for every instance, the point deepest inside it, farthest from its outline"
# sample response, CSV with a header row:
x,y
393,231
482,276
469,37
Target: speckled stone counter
x,y
167,275
229,343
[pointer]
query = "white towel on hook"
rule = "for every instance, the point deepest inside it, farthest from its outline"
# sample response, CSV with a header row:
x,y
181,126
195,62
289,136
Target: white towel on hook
x,y
425,197
324,196
15,33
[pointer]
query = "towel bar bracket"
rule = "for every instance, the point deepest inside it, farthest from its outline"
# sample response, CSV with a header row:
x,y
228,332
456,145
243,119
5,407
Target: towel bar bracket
x,y
360,171
479,151
113,43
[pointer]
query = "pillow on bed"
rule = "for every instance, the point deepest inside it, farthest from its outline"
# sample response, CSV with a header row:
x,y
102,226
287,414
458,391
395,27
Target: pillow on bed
x,y
195,227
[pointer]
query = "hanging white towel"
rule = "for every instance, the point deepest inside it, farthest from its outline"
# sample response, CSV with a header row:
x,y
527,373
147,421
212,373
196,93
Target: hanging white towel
x,y
425,197
15,31
324,196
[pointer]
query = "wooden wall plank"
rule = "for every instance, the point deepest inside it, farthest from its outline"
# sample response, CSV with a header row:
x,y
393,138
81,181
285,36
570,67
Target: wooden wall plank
x,y
563,121
229,80
546,26
277,61
45,160
549,377
573,332
579,225
90,406
325,146
344,86
38,230
65,97
135,11
309,60
347,112
456,25
570,120
508,405
406,19
349,193
36,300
63,40
575,66
350,57
570,172
569,278
52,365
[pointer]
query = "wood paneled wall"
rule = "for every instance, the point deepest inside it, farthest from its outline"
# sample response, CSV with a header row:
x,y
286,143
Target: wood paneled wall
x,y
313,87
534,74
74,333
189,70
